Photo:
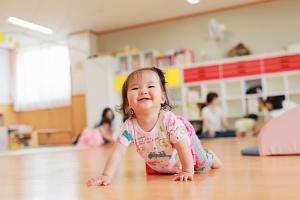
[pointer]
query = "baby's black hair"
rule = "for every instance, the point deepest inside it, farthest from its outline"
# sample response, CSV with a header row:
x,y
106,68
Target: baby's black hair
x,y
252,116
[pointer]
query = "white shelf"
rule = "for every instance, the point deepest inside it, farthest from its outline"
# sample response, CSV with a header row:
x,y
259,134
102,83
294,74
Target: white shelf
x,y
293,82
275,94
233,88
295,98
252,105
250,96
275,84
214,87
174,94
234,116
234,107
234,98
196,101
294,92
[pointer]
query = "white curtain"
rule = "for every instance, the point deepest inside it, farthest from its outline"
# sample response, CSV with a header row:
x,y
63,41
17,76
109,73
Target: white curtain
x,y
42,78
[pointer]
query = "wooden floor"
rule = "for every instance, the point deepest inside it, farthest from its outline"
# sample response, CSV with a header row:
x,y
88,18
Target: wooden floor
x,y
62,175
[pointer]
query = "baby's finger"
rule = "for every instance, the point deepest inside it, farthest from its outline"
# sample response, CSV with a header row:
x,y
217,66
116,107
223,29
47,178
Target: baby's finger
x,y
90,182
105,183
185,178
181,178
176,178
98,182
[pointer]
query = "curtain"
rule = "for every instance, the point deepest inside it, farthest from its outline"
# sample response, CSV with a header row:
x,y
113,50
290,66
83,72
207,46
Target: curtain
x,y
42,78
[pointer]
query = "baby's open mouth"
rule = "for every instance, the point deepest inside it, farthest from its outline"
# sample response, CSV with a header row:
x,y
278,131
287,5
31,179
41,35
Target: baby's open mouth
x,y
144,99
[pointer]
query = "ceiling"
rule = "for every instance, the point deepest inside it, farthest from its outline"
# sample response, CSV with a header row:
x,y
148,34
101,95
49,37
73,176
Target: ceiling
x,y
68,16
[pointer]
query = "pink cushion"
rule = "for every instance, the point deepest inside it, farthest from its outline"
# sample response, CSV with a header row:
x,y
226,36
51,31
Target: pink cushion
x,y
281,135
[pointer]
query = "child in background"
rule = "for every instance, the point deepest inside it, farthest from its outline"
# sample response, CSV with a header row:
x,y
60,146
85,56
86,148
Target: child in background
x,y
95,137
167,143
247,125
276,106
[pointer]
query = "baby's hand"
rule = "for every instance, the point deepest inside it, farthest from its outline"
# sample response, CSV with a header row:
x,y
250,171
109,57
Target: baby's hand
x,y
183,176
99,181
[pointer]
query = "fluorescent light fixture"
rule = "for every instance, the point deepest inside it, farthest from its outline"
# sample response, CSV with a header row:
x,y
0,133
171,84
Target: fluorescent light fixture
x,y
29,25
193,1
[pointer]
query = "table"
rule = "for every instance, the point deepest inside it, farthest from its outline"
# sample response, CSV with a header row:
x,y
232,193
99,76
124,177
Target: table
x,y
49,132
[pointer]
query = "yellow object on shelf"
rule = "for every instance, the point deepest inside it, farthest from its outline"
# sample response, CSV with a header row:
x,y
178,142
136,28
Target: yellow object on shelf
x,y
118,82
172,76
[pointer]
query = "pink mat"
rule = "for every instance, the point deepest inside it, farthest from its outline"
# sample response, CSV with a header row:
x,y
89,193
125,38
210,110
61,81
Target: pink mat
x,y
281,135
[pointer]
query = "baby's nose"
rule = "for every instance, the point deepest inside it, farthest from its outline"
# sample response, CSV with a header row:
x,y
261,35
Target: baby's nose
x,y
143,91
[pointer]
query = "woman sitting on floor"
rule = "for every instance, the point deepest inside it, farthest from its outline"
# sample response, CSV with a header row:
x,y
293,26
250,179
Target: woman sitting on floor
x,y
214,123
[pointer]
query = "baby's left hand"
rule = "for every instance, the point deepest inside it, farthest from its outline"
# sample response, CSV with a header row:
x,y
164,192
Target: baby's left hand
x,y
183,176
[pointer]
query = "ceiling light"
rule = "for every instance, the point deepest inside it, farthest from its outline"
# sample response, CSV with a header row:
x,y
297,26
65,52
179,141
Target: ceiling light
x,y
193,1
29,25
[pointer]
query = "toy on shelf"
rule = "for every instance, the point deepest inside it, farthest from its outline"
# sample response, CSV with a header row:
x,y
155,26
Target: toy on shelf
x,y
123,64
133,59
165,60
181,56
239,50
149,59
184,56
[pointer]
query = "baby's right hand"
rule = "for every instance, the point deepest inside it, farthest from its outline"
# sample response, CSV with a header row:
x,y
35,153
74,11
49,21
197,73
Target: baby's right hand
x,y
99,181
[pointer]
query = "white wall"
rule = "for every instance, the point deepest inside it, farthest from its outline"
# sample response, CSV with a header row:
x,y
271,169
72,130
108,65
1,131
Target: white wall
x,y
81,46
263,28
5,77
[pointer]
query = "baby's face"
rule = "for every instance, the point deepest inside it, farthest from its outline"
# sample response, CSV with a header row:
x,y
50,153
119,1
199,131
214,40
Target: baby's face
x,y
144,92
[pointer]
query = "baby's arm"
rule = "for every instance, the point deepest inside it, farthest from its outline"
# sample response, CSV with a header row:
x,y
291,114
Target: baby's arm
x,y
186,159
110,166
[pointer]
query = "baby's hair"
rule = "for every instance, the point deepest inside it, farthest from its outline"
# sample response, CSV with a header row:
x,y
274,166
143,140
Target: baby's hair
x,y
123,108
252,116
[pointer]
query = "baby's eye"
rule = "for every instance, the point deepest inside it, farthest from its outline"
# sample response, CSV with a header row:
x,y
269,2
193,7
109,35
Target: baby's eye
x,y
151,86
135,88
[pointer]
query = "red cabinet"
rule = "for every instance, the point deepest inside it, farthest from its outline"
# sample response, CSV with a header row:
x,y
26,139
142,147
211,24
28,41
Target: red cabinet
x,y
294,62
282,63
243,68
275,64
202,73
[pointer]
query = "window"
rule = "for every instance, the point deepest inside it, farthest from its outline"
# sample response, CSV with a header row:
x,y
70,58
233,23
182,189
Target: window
x,y
42,78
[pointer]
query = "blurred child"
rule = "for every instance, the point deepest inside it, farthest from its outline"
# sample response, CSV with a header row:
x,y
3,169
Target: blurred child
x,y
247,125
95,137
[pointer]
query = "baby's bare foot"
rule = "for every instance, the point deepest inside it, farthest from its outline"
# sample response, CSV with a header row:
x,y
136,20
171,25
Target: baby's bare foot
x,y
217,163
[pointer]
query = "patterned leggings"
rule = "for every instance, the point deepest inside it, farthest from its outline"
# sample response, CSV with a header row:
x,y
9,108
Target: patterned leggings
x,y
202,157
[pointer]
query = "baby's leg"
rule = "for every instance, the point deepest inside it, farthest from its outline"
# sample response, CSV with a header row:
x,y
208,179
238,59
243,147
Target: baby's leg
x,y
217,163
205,159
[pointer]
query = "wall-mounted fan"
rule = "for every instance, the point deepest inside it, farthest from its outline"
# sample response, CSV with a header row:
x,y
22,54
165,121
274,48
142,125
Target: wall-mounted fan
x,y
216,30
